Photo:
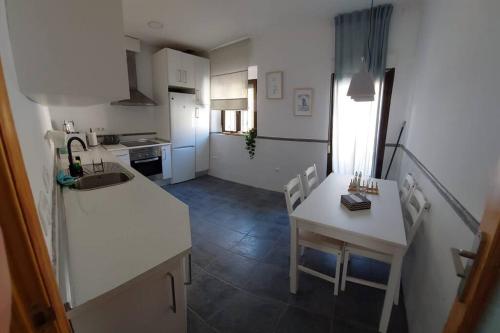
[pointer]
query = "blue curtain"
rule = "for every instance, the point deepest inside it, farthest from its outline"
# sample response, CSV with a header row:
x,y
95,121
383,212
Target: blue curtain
x,y
351,35
356,124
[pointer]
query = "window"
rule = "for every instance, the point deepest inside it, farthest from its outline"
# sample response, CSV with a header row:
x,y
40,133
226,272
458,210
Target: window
x,y
241,121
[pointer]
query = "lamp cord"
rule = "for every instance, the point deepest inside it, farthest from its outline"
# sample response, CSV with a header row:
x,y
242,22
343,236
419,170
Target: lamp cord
x,y
369,36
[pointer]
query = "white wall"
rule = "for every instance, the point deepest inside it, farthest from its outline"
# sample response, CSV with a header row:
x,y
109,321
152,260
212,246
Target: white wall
x,y
114,118
32,121
275,161
305,64
308,63
453,130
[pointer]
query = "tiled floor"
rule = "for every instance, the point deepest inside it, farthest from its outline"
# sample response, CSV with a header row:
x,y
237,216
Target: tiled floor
x,y
240,269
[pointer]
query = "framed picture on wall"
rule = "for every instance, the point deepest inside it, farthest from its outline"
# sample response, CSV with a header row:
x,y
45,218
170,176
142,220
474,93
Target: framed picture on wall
x,y
274,85
303,99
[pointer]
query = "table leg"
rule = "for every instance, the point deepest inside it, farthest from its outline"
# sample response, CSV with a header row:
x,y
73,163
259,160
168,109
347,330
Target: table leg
x,y
293,256
389,293
398,286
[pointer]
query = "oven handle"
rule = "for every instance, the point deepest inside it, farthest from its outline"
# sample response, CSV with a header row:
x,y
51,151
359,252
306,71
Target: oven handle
x,y
146,160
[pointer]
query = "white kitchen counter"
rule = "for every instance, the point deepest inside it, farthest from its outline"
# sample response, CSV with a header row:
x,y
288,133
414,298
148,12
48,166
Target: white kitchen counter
x,y
117,233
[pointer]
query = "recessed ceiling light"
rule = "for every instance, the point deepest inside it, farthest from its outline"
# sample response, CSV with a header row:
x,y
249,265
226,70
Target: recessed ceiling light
x,y
155,25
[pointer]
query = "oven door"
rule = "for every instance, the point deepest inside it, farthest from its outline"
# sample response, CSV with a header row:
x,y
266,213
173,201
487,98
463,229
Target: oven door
x,y
148,166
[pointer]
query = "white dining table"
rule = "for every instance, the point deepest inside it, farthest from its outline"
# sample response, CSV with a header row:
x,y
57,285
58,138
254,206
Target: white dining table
x,y
380,228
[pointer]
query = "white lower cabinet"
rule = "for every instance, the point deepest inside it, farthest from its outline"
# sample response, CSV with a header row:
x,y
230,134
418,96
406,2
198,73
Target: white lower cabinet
x,y
153,302
166,164
123,156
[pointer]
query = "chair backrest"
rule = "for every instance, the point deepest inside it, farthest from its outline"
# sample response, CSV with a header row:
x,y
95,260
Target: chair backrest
x,y
406,188
415,206
311,179
293,193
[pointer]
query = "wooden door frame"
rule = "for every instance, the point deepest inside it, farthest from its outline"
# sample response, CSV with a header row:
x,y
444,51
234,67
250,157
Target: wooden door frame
x,y
36,302
465,315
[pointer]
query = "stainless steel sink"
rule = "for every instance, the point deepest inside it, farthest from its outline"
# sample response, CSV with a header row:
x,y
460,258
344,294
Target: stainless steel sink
x,y
102,175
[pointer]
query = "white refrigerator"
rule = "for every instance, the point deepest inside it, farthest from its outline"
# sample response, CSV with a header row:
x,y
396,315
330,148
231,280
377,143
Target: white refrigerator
x,y
182,136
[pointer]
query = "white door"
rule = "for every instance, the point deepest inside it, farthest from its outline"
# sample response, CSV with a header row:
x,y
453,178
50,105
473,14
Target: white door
x,y
182,120
174,67
187,61
183,164
202,138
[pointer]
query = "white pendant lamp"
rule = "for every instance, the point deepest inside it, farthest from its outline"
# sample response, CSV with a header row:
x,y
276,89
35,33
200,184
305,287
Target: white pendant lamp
x,y
362,87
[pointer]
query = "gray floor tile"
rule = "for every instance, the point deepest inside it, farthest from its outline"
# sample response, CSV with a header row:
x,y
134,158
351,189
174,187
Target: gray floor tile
x,y
196,324
245,313
204,252
314,295
207,295
254,247
360,304
297,320
232,268
269,281
241,294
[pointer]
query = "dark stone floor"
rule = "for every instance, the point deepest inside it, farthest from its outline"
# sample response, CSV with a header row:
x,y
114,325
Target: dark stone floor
x,y
240,260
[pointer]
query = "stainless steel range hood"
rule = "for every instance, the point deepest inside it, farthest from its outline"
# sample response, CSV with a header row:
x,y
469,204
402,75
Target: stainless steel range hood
x,y
136,97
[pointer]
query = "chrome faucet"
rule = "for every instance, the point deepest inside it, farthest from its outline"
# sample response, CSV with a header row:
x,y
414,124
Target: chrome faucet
x,y
73,169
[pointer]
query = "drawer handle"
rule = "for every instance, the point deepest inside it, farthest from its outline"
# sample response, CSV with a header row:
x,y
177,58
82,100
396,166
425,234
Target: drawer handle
x,y
146,160
172,287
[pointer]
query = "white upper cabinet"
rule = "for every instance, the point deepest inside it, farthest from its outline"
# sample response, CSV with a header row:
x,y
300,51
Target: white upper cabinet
x,y
202,81
180,69
69,52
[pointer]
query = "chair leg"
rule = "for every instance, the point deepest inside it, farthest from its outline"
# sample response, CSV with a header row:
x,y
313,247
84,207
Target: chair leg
x,y
397,290
344,270
337,273
302,250
294,276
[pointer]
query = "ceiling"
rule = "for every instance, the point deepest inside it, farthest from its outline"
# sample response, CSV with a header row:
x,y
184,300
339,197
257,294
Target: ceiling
x,y
202,25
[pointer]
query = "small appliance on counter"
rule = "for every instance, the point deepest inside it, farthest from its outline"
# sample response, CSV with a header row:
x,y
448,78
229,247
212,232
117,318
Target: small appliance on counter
x,y
110,139
92,138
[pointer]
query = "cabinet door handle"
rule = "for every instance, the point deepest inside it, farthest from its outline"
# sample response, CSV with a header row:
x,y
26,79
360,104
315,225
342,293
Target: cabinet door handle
x,y
190,273
172,288
185,76
196,113
179,76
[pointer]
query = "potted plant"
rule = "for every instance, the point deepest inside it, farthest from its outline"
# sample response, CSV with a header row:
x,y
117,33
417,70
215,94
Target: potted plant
x,y
250,142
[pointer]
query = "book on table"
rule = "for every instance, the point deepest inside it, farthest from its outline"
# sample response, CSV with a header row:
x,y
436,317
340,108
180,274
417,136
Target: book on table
x,y
355,201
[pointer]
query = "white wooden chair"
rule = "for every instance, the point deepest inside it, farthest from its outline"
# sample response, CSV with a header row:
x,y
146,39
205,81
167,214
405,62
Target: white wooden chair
x,y
294,195
416,205
311,179
406,188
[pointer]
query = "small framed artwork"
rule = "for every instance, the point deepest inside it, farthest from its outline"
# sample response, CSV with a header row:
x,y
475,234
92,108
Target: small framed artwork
x,y
303,99
274,85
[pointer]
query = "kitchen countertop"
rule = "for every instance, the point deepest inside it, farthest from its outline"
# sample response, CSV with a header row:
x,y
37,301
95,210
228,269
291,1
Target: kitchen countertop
x,y
122,147
117,233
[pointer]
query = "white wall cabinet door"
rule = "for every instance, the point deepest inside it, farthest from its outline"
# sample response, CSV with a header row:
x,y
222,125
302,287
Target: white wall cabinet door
x,y
174,62
166,155
180,69
202,81
69,52
188,66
